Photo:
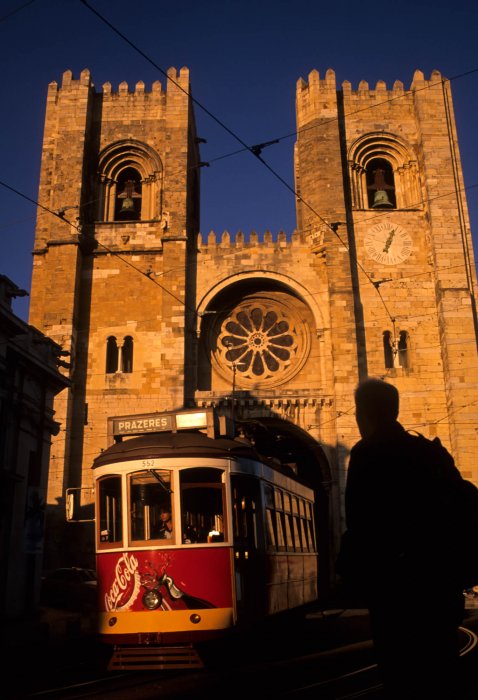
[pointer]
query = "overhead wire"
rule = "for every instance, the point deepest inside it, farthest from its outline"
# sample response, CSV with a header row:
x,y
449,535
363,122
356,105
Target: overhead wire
x,y
256,151
17,9
370,324
78,228
325,122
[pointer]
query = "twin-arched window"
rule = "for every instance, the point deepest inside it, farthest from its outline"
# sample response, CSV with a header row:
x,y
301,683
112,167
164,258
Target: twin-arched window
x,y
119,358
396,350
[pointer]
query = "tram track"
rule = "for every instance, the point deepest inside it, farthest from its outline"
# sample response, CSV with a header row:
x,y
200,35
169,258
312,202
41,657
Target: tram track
x,y
315,671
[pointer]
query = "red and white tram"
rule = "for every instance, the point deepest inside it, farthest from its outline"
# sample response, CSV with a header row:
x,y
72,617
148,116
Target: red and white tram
x,y
195,535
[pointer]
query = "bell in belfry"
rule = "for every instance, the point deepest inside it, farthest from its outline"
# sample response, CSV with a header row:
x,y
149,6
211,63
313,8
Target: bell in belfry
x,y
380,198
128,210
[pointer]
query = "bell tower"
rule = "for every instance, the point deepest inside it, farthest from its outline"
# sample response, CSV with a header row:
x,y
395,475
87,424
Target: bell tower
x,y
384,163
114,248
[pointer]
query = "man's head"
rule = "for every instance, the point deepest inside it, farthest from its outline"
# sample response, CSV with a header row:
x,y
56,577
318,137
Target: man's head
x,y
376,404
165,514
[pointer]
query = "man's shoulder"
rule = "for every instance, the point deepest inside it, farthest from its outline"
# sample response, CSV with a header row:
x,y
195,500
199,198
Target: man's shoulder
x,y
382,439
403,445
433,450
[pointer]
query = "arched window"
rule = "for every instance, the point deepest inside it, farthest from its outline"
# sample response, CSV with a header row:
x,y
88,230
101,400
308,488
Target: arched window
x,y
403,350
127,355
388,350
380,184
130,182
396,352
111,355
383,173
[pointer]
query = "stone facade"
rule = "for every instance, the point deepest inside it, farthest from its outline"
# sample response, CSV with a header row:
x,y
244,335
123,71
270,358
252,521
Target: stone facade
x,y
378,279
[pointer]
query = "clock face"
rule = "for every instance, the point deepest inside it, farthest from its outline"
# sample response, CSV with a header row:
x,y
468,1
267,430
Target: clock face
x,y
388,243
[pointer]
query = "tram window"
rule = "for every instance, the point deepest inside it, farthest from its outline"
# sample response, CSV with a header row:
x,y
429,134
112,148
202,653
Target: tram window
x,y
281,546
268,496
150,510
109,503
270,520
289,533
270,529
278,499
303,527
287,505
202,505
310,527
295,525
302,508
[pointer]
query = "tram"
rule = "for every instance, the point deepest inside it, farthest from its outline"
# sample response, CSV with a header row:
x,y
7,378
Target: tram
x,y
195,535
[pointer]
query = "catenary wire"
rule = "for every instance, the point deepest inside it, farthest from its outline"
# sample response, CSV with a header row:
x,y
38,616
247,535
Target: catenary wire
x,y
14,12
77,227
255,150
110,251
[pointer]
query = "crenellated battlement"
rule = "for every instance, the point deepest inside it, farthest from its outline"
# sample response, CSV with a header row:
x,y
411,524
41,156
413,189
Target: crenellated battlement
x,y
317,97
267,239
381,89
316,85
309,93
181,78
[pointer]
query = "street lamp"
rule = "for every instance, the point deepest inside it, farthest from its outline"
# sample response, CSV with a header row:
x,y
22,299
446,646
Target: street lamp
x,y
234,365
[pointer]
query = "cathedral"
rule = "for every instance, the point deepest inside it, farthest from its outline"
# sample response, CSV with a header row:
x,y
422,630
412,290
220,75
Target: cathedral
x,y
271,330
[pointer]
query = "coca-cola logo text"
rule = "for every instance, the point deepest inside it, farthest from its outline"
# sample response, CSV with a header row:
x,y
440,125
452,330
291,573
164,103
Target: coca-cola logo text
x,y
126,584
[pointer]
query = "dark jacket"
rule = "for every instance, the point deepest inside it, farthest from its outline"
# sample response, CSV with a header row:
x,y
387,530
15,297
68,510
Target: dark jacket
x,y
400,532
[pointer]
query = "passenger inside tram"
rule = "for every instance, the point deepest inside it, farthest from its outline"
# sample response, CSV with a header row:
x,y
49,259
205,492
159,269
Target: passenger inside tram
x,y
166,523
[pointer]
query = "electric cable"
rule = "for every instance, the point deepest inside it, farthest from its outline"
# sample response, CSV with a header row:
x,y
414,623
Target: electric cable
x,y
257,149
77,227
14,12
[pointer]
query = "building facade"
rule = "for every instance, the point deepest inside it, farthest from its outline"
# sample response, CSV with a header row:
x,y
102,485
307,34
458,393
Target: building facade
x,y
378,279
29,381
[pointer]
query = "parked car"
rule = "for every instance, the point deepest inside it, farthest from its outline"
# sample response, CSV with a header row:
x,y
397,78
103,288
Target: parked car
x,y
72,588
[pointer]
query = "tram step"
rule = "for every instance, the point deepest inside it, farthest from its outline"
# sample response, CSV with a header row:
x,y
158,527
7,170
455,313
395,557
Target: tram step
x,y
143,658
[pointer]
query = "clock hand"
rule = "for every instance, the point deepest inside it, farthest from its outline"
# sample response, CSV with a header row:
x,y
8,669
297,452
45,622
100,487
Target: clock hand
x,y
388,242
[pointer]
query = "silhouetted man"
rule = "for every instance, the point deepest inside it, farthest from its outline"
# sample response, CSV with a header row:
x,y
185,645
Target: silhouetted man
x,y
399,549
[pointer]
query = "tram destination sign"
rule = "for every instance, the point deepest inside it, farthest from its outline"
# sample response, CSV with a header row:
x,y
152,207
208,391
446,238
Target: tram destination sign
x,y
132,425
158,422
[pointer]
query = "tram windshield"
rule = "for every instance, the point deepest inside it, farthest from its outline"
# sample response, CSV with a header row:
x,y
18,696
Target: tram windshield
x,y
110,520
202,505
150,509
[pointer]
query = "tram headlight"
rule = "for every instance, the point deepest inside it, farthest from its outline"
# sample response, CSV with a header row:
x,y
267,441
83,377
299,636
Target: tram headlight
x,y
152,599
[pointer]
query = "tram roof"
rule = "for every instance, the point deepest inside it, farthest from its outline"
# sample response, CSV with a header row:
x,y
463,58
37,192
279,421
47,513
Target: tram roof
x,y
169,444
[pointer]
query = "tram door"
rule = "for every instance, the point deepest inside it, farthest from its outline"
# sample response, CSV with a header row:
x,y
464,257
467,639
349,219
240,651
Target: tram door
x,y
248,547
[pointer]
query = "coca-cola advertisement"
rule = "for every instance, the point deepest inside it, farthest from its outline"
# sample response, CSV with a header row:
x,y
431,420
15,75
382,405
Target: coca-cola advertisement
x,y
164,580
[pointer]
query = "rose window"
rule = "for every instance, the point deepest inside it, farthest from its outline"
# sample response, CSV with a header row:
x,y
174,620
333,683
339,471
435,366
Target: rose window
x,y
258,341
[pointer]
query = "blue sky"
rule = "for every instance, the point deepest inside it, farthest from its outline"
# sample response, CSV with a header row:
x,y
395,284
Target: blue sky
x,y
244,59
